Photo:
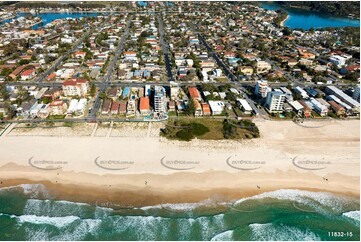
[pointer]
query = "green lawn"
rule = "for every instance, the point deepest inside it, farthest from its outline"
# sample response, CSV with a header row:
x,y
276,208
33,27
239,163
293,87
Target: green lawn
x,y
215,129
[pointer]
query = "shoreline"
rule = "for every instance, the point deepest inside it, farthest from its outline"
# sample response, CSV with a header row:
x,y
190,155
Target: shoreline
x,y
283,21
150,170
128,197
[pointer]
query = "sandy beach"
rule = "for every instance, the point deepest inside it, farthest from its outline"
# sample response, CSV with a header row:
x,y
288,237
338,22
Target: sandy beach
x,y
136,167
283,21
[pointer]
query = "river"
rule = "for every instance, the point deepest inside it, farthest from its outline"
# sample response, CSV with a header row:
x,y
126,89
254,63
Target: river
x,y
49,17
299,18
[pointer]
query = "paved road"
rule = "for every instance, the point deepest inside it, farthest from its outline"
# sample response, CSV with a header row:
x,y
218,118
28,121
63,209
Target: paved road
x,y
142,84
111,67
231,77
165,50
57,63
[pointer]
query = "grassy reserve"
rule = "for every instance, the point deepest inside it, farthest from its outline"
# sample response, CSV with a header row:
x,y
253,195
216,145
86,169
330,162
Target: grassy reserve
x,y
209,129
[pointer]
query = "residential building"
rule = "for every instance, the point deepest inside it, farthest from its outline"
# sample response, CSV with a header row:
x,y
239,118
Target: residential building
x,y
332,90
194,93
115,108
147,90
206,109
130,108
80,107
339,61
198,107
244,105
53,93
17,71
247,70
72,105
338,109
174,92
296,106
302,92
25,108
122,107
288,93
171,106
275,101
57,107
180,106
79,54
144,107
263,67
160,102
216,107
321,109
347,107
28,74
75,87
261,88
106,106
307,112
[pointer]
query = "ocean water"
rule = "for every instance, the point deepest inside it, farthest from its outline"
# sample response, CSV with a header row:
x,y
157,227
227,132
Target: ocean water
x,y
28,212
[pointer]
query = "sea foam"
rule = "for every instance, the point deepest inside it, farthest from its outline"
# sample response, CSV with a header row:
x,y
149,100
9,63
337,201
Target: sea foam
x,y
225,236
317,200
55,221
185,207
31,190
355,215
272,232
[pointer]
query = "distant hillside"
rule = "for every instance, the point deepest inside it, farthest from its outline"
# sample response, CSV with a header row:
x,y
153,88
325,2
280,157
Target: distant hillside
x,y
340,8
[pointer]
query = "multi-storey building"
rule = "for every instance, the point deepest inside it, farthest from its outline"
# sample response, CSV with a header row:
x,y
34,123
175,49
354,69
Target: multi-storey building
x,y
75,87
160,102
275,101
261,88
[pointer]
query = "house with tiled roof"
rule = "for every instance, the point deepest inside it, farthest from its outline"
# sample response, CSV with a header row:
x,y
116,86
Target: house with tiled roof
x,y
144,105
194,93
28,74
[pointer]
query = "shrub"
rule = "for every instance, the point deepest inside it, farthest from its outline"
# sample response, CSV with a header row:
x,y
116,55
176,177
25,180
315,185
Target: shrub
x,y
184,135
198,129
229,131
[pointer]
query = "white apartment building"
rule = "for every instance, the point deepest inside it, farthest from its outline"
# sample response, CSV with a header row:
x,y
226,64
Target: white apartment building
x,y
160,102
337,60
261,88
275,101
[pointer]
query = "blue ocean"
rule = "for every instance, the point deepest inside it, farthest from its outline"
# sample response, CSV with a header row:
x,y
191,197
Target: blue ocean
x,y
28,212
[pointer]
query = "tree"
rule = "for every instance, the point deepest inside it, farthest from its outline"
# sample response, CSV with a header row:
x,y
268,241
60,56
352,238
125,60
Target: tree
x,y
190,108
229,130
5,72
46,100
87,43
10,48
24,62
92,89
286,31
